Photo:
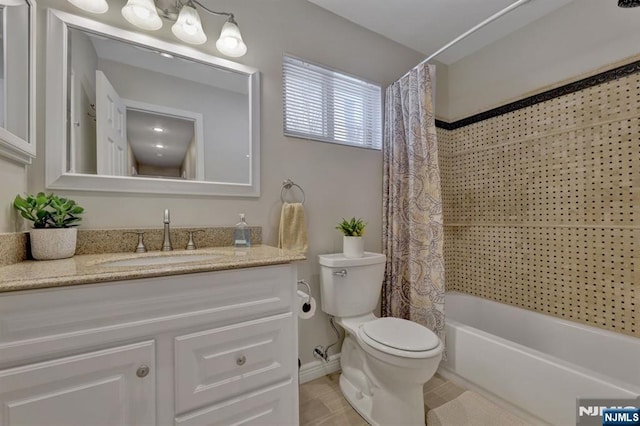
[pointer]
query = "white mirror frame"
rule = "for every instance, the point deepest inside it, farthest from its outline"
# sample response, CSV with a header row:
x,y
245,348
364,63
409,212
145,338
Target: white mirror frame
x,y
12,146
57,176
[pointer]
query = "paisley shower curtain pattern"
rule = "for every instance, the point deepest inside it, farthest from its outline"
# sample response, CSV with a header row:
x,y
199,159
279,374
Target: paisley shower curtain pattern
x,y
412,205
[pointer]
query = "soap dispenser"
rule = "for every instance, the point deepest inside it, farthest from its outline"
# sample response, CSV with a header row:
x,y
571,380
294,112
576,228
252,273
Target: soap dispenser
x,y
242,233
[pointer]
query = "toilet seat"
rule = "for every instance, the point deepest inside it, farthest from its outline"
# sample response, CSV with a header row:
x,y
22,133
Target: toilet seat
x,y
399,337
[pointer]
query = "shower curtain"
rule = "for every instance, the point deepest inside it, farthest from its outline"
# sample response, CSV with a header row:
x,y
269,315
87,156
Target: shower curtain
x,y
412,206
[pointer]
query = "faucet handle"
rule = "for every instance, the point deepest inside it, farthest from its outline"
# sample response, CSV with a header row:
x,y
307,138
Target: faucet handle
x,y
191,245
140,248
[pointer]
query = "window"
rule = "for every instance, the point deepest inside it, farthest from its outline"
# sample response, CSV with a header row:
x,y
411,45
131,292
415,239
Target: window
x,y
330,106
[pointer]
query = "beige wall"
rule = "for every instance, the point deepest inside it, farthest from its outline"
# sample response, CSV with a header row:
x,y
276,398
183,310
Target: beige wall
x,y
339,181
13,180
442,91
576,39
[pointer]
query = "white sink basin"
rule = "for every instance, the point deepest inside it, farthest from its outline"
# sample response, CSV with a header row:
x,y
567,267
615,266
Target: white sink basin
x,y
163,260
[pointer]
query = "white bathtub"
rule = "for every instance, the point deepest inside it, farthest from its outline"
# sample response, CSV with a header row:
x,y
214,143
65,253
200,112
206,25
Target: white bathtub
x,y
537,362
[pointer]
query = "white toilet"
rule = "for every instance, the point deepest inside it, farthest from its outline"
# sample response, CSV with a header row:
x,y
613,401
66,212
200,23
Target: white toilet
x,y
385,361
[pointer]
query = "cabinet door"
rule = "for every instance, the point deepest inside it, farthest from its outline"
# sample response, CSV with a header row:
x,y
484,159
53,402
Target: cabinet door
x,y
95,388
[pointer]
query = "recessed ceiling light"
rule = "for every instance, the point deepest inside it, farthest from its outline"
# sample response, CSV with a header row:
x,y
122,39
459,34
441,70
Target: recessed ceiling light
x,y
158,129
166,55
159,145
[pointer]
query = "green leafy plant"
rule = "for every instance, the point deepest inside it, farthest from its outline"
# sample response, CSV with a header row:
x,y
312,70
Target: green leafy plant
x,y
48,210
352,228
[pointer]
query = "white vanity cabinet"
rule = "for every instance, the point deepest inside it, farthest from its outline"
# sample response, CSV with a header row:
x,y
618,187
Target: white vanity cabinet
x,y
195,349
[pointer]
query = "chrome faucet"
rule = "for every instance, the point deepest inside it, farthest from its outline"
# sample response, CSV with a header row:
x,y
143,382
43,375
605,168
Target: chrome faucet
x,y
166,246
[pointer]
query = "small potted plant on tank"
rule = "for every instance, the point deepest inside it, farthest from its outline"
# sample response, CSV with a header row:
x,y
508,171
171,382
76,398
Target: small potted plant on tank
x,y
352,242
54,233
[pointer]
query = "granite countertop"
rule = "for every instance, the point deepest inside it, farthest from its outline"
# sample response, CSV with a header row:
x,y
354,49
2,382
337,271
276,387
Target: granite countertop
x,y
94,268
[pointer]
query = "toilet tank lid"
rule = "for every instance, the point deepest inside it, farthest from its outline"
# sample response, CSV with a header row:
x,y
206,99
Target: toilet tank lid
x,y
338,260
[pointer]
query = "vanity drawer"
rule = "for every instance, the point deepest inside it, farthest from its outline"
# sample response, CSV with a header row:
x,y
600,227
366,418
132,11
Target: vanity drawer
x,y
275,405
224,362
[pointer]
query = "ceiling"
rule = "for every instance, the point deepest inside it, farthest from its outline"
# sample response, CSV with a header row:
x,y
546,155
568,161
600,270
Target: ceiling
x,y
427,25
175,140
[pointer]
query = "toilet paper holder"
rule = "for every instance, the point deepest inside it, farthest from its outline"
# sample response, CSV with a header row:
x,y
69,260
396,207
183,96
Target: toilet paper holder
x,y
306,306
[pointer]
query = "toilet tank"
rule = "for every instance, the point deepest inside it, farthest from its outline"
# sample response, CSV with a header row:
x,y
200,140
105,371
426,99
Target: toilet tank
x,y
350,286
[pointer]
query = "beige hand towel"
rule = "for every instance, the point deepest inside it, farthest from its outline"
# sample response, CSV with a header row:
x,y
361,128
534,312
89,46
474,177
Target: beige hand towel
x,y
293,228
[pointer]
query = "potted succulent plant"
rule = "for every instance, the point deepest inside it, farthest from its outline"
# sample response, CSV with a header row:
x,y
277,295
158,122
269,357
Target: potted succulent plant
x,y
352,242
54,233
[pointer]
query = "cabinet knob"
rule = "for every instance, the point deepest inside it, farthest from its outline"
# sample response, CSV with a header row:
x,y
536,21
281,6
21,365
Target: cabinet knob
x,y
142,371
241,360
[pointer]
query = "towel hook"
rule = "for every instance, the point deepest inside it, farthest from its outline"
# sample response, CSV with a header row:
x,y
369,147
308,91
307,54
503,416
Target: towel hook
x,y
288,184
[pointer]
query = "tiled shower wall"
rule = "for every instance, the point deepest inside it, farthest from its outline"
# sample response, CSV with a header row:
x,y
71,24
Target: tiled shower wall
x,y
542,206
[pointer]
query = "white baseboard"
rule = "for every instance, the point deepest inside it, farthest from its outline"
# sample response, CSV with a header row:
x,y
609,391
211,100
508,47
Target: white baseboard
x,y
500,402
316,369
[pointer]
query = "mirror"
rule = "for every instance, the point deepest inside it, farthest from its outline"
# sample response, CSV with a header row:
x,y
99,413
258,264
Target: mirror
x,y
17,82
142,115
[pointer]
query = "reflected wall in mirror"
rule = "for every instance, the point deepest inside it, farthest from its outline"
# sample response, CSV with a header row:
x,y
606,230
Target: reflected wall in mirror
x,y
138,112
143,115
17,19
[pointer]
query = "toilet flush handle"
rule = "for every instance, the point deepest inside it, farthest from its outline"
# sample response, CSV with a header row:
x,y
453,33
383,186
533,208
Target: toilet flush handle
x,y
341,273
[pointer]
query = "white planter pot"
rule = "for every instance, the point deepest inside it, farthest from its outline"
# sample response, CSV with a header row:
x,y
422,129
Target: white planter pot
x,y
53,243
353,246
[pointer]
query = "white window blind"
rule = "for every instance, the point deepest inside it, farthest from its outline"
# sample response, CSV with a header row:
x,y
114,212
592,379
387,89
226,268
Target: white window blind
x,y
330,106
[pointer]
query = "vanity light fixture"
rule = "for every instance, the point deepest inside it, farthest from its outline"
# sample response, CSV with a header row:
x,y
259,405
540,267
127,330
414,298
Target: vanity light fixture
x,y
146,14
92,6
188,27
142,14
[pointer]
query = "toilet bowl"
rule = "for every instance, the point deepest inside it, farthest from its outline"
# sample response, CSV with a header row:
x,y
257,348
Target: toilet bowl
x,y
385,361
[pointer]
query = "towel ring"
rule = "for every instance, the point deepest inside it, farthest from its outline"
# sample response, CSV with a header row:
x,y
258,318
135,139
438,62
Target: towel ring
x,y
288,184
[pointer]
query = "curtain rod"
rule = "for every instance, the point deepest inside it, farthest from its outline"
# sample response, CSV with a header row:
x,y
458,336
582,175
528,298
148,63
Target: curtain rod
x,y
472,30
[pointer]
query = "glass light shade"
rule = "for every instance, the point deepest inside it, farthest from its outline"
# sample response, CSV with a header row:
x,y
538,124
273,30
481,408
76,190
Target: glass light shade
x,y
230,42
142,14
93,6
188,27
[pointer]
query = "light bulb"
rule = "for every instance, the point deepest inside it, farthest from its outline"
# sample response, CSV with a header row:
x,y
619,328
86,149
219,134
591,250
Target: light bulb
x,y
142,14
93,6
188,27
230,42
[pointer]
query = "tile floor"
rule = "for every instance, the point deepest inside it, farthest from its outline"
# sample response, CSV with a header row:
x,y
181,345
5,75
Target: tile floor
x,y
322,403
